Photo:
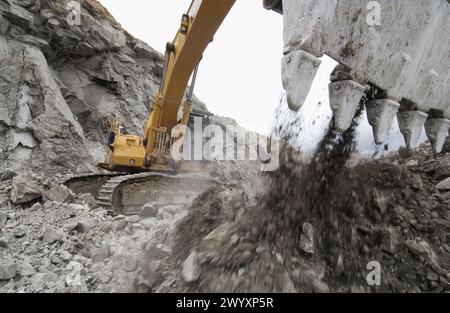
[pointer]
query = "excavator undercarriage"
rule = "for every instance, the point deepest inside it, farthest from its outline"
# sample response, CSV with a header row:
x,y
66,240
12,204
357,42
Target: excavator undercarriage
x,y
127,194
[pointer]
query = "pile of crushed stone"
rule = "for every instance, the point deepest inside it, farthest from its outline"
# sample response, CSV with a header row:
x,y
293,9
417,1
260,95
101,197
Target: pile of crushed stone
x,y
55,241
316,226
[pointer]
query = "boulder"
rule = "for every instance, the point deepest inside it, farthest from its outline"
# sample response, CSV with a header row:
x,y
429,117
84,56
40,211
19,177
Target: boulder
x,y
3,219
150,274
444,185
58,193
307,239
7,175
287,286
50,236
19,232
149,210
443,169
19,16
390,241
26,269
100,254
74,278
422,249
3,243
125,262
382,200
8,269
85,224
191,268
25,190
143,50
133,219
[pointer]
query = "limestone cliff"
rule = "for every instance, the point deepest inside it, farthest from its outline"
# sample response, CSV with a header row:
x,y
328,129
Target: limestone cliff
x,y
67,67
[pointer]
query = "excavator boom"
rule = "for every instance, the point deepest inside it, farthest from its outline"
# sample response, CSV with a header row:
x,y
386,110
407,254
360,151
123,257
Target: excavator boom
x,y
183,54
197,30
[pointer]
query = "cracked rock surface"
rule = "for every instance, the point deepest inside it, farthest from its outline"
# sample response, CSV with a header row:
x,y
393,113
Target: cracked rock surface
x,y
60,84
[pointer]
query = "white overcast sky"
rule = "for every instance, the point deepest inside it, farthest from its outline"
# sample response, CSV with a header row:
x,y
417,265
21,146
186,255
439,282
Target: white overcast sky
x,y
240,75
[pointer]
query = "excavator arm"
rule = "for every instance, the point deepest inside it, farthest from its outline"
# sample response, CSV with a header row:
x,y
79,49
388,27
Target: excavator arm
x,y
182,57
183,54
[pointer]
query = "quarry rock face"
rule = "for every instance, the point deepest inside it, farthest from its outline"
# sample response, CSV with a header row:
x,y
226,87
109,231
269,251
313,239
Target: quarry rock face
x,y
67,67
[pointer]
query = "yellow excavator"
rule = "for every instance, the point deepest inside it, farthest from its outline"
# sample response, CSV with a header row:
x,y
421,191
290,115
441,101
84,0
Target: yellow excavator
x,y
165,126
140,169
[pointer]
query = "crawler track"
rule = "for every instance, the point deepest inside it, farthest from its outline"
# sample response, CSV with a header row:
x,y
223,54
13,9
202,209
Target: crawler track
x,y
127,193
88,183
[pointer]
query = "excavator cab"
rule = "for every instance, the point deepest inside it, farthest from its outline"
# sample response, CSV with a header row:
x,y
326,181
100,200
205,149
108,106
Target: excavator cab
x,y
125,151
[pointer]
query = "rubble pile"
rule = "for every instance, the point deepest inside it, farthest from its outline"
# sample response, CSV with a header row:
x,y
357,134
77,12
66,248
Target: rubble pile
x,y
318,226
52,240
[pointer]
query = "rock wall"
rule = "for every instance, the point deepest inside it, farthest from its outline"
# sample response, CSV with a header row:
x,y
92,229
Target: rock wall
x,y
67,67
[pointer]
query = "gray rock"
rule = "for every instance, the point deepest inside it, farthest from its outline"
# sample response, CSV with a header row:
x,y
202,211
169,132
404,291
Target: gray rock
x,y
40,281
191,268
172,209
307,239
416,181
8,269
150,274
310,280
25,190
444,185
26,269
432,276
287,284
443,169
3,243
70,226
340,265
143,50
19,16
33,41
50,236
164,215
65,255
149,210
74,277
260,249
133,219
422,249
382,200
7,175
87,198
100,254
119,225
19,232
3,219
125,262
85,224
390,241
59,193
408,215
